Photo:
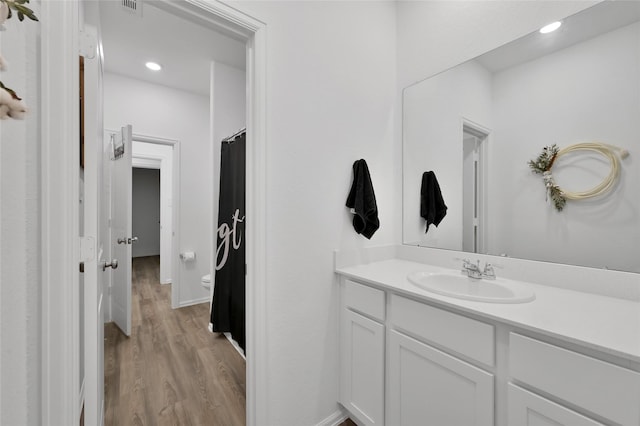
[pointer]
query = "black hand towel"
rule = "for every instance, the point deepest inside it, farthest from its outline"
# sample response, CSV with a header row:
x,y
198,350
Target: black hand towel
x,y
362,199
432,207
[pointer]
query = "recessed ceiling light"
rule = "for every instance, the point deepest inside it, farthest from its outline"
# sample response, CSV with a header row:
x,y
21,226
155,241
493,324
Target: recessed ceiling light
x,y
551,27
153,66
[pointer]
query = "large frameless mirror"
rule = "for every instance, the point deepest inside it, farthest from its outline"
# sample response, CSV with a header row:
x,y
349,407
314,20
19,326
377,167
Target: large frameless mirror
x,y
476,127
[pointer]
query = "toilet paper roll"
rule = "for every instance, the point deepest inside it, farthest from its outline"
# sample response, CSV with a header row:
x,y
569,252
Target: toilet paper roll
x,y
188,256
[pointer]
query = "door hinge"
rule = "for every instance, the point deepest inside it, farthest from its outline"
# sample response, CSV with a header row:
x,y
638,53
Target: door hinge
x,y
87,249
87,45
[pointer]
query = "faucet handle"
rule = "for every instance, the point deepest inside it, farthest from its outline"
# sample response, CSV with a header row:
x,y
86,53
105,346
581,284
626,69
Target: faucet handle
x,y
489,271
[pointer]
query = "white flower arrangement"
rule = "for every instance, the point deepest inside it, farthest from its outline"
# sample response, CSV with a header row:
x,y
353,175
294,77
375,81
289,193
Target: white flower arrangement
x,y
11,105
542,166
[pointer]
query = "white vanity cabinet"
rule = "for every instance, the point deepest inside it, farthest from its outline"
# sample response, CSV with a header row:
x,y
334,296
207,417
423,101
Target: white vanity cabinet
x,y
362,349
409,361
428,385
608,391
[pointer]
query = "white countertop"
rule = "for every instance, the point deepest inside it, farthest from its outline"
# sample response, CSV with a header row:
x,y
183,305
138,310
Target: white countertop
x,y
606,324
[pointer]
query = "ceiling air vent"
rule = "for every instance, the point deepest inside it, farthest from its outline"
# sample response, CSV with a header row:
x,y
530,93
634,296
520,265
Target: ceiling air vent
x,y
133,7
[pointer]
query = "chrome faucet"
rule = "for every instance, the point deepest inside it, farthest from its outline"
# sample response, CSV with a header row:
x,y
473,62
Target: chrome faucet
x,y
472,270
489,272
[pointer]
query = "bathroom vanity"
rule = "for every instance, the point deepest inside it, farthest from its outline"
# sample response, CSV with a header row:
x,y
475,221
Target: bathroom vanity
x,y
409,356
537,341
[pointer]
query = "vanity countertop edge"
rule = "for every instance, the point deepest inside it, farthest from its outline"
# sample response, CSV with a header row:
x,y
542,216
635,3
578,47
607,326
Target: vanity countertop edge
x,y
606,324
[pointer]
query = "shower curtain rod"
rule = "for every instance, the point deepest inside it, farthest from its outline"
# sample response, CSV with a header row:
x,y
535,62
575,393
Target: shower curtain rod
x,y
232,137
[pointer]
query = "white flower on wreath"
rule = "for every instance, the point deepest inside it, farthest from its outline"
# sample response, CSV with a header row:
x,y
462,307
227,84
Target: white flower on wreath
x,y
4,14
11,107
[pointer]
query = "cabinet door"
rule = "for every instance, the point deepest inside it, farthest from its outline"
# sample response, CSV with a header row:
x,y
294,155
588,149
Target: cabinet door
x,y
362,368
529,409
430,387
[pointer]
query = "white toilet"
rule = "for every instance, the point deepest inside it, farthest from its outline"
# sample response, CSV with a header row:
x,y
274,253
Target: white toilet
x,y
206,281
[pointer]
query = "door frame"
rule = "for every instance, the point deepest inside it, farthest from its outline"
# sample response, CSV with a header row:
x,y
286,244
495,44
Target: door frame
x,y
60,248
483,133
176,282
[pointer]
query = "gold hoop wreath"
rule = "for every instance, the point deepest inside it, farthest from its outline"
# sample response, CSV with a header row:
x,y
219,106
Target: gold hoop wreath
x,y
543,164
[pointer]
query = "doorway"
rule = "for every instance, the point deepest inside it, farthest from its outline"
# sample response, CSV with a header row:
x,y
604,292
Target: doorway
x,y
185,110
145,222
60,128
162,155
474,194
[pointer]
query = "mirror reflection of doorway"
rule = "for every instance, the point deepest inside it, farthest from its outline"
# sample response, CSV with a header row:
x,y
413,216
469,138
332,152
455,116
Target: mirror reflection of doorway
x,y
473,187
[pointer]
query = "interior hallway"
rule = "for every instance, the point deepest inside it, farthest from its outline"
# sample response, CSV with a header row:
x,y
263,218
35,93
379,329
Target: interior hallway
x,y
171,370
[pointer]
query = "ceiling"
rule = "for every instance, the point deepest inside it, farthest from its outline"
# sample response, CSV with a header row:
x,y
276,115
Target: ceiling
x,y
599,19
184,49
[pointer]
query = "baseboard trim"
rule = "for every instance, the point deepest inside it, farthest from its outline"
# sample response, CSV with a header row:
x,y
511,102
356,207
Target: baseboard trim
x,y
81,399
235,345
335,418
193,302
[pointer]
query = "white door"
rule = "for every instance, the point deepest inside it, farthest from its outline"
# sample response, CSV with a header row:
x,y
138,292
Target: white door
x,y
96,249
430,387
121,145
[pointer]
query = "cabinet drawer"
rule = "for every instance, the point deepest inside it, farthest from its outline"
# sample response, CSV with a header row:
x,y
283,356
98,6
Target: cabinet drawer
x,y
364,299
527,409
600,387
463,335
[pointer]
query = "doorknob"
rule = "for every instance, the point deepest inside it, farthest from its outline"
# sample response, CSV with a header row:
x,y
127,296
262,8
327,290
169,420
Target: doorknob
x,y
127,240
113,264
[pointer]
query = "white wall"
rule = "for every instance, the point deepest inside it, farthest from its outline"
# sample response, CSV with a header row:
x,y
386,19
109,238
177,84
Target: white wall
x,y
20,192
146,212
557,91
229,101
162,112
330,101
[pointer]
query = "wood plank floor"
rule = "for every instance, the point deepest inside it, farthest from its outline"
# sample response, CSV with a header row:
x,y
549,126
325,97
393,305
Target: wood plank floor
x,y
171,371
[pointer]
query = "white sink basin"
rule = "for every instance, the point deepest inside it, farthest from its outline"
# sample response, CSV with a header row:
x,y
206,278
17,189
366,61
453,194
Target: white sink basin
x,y
460,286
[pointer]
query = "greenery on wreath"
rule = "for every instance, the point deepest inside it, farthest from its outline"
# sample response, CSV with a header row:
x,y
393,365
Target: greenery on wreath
x,y
20,9
542,166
